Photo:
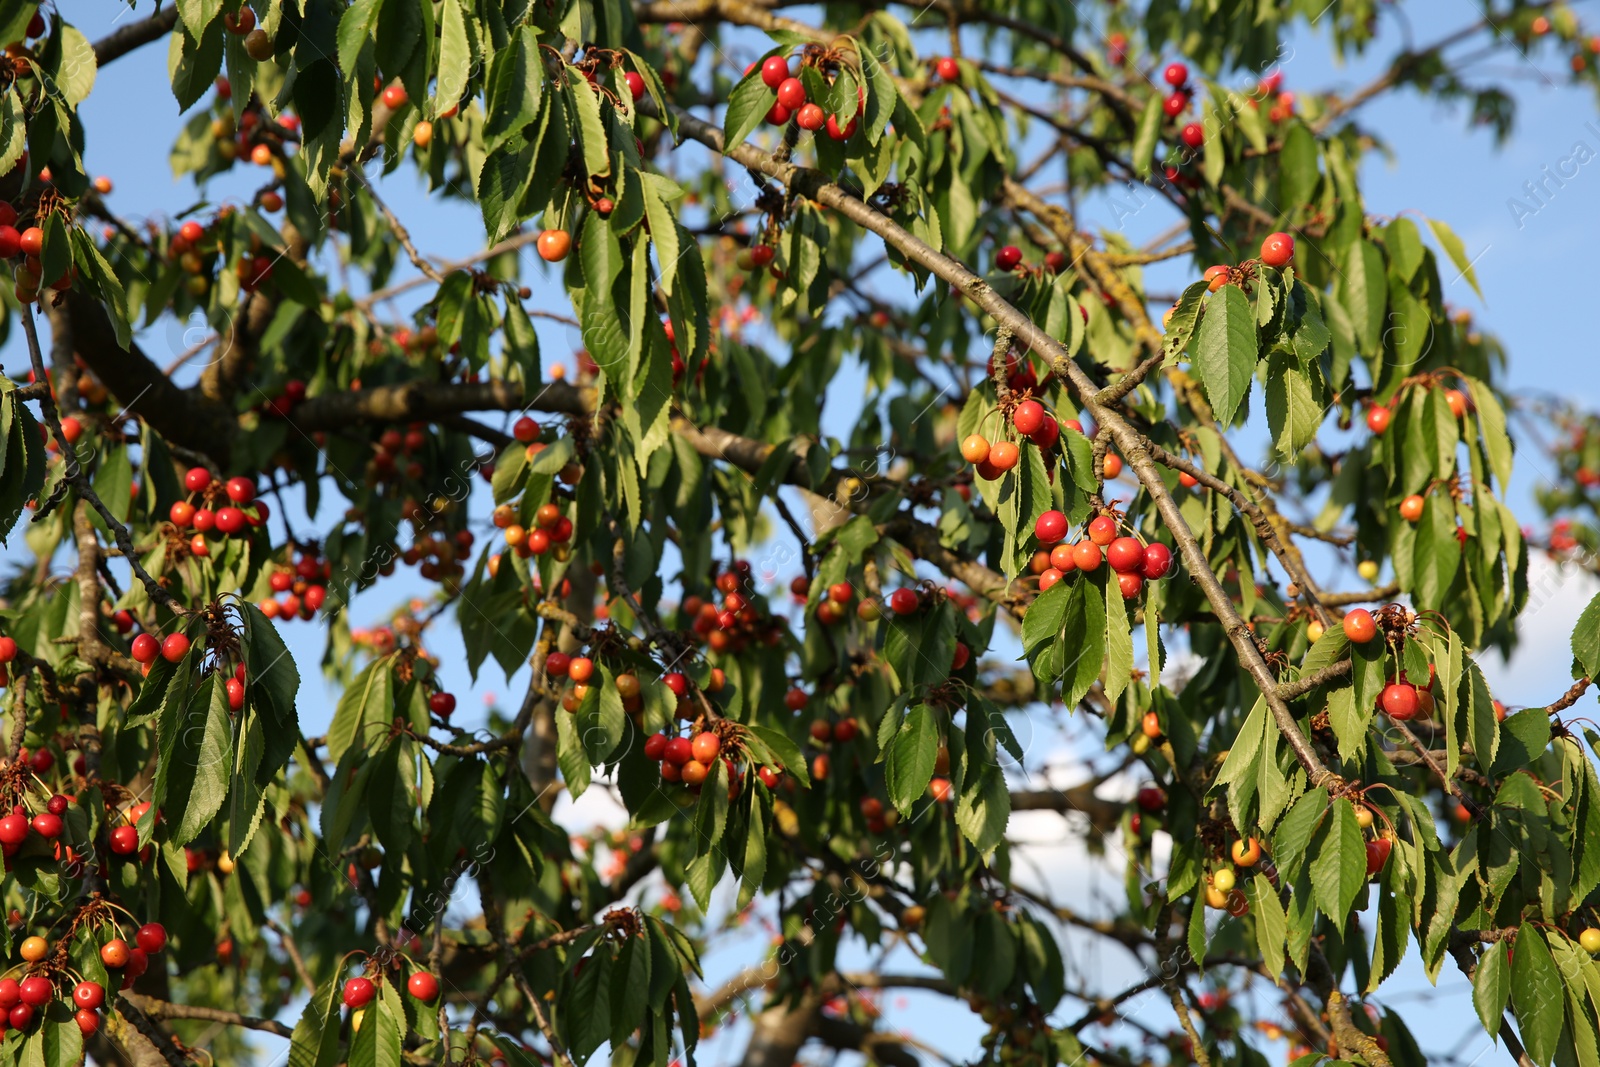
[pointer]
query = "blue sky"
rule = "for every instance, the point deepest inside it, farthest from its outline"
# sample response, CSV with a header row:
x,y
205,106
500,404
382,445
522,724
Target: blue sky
x,y
1530,270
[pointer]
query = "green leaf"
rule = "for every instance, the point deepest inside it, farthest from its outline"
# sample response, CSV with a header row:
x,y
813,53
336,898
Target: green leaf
x,y
1491,986
357,26
13,130
192,65
1297,169
1042,621
1144,140
881,94
1457,252
785,751
194,773
1586,639
1536,995
76,72
1119,639
456,55
1338,861
514,87
1293,411
1364,291
1225,350
591,127
1492,431
748,105
911,757
984,808
1436,554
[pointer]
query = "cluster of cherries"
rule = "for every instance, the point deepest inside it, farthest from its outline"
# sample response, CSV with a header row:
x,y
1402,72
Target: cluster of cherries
x,y
1133,561
241,511
28,243
794,102
1038,426
550,528
359,992
21,999
304,588
690,760
1379,415
1277,249
732,624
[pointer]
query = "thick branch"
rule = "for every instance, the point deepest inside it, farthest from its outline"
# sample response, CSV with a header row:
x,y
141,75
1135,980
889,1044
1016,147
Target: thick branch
x,y
120,42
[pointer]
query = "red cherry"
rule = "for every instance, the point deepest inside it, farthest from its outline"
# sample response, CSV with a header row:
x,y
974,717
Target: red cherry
x,y
778,115
655,747
14,829
792,93
1378,854
20,1017
9,994
556,664
769,777
705,747
192,232
1049,577
395,97
235,690
845,730
139,962
1050,527
88,995
1048,433
1175,74
1157,561
124,840
204,520
1028,417
1359,626
8,649
241,490
1193,135
10,240
358,992
57,805
1399,700
88,1021
421,984
114,953
181,513
1130,584
1378,418
1151,799
948,69
1103,530
196,478
1411,508
1008,258
904,601
145,648
1175,105
1086,556
1277,250
174,648
774,71
442,703
635,90
1003,455
230,520
1126,555
679,751
811,117
37,990
47,826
